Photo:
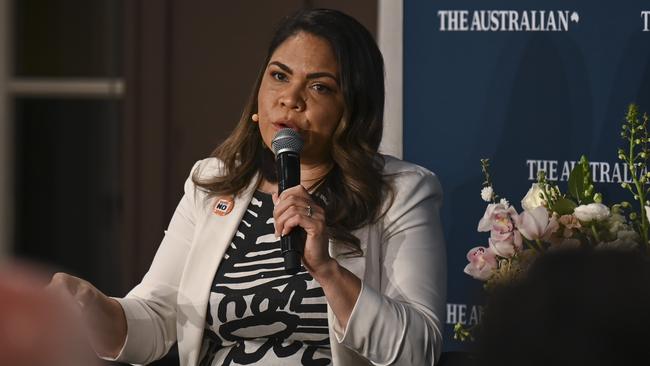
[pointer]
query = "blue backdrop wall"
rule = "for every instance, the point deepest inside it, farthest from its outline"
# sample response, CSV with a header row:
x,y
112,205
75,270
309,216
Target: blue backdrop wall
x,y
531,85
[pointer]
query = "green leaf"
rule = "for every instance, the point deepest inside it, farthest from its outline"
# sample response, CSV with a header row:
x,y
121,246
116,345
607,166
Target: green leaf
x,y
580,183
577,183
564,206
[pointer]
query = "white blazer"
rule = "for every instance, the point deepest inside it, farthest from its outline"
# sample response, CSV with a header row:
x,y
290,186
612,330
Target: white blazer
x,y
398,316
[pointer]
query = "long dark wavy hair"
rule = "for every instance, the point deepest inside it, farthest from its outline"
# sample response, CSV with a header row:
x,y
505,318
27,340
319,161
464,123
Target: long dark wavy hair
x,y
352,192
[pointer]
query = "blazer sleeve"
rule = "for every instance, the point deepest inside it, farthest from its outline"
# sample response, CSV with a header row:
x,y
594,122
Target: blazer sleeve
x,y
150,307
401,323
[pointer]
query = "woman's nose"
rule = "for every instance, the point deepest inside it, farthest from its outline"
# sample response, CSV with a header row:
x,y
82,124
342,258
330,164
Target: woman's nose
x,y
292,98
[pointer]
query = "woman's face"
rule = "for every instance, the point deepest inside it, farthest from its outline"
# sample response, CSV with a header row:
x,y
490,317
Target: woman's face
x,y
300,89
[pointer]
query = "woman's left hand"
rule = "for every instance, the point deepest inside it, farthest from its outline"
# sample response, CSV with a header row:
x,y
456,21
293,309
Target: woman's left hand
x,y
295,207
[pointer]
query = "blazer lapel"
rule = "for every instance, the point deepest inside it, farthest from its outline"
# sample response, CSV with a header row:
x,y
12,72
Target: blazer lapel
x,y
209,246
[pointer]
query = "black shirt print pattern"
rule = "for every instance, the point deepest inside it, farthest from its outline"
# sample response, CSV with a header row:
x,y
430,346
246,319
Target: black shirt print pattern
x,y
257,314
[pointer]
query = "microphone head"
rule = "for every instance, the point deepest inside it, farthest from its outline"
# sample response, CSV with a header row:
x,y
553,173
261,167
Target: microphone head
x,y
287,139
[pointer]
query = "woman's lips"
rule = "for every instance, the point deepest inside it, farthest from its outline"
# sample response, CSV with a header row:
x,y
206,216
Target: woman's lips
x,y
281,125
277,126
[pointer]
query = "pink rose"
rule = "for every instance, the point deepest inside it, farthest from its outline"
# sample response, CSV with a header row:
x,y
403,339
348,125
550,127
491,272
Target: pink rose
x,y
482,261
569,222
535,224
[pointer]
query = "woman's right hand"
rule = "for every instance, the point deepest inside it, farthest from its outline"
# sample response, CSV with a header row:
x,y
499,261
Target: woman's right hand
x,y
103,316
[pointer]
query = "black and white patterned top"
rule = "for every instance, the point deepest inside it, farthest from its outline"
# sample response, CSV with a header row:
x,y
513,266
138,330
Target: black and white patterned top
x,y
257,314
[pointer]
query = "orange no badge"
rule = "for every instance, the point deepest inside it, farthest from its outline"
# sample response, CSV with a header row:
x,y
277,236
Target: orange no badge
x,y
223,206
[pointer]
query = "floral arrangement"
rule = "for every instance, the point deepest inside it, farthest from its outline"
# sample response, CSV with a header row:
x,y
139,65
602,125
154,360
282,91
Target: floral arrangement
x,y
553,220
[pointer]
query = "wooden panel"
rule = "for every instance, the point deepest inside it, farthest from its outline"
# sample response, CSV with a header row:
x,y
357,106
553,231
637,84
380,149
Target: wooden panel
x,y
365,11
217,52
145,134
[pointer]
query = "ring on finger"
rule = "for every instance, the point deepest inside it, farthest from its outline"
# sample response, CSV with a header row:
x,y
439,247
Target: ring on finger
x,y
309,210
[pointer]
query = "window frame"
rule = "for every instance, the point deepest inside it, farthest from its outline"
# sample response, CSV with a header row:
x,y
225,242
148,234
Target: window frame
x,y
12,87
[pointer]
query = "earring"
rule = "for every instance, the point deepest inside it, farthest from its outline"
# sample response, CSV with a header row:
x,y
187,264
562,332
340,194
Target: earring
x,y
255,117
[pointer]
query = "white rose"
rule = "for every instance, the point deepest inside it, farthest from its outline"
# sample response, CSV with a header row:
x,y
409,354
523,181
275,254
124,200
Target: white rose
x,y
487,193
591,212
533,198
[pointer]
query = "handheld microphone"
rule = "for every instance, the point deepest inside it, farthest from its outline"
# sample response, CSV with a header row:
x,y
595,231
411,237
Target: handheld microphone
x,y
286,146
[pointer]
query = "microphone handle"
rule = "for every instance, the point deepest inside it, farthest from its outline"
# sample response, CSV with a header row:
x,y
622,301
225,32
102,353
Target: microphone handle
x,y
292,244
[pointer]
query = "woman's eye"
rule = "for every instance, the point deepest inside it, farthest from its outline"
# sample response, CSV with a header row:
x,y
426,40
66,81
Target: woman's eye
x,y
280,76
321,88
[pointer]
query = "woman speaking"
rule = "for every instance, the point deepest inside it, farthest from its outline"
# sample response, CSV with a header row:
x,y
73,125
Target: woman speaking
x,y
372,285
